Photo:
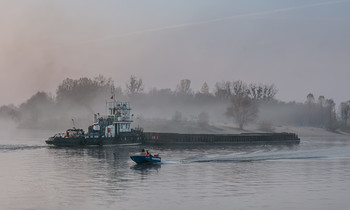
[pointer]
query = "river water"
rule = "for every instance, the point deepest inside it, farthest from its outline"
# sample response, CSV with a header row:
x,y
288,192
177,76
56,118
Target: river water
x,y
312,175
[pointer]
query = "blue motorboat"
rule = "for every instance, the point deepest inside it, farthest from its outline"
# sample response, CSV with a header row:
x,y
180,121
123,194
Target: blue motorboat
x,y
145,157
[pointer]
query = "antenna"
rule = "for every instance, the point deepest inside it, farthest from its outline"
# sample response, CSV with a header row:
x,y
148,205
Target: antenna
x,y
73,123
106,110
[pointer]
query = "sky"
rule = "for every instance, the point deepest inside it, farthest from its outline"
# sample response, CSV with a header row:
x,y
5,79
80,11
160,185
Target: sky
x,y
300,46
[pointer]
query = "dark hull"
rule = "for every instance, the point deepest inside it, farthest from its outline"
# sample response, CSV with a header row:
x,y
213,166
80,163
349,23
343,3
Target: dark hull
x,y
243,138
145,159
176,138
129,138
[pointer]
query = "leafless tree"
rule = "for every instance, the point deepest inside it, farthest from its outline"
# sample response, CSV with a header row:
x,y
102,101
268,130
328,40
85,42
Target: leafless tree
x,y
84,89
103,81
240,89
184,87
261,92
243,110
345,111
310,99
134,85
223,90
311,111
269,92
205,89
321,101
331,115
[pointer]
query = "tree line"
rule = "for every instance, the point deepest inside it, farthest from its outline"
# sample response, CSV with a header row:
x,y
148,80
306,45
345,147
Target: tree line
x,y
234,101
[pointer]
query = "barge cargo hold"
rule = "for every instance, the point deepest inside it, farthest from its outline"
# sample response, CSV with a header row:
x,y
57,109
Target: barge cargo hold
x,y
243,138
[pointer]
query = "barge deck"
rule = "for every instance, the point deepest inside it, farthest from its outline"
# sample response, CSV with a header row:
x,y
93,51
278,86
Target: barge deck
x,y
243,138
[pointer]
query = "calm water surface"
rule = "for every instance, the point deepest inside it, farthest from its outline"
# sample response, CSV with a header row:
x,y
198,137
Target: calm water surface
x,y
312,175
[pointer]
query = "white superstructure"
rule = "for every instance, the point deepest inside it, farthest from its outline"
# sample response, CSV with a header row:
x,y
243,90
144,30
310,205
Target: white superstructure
x,y
120,112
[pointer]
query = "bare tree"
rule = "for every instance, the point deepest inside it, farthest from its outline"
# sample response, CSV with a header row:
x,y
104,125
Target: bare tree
x,y
321,101
103,81
261,92
310,99
184,87
223,90
82,90
253,91
134,85
321,111
310,111
205,88
243,110
117,92
331,116
345,111
269,92
240,89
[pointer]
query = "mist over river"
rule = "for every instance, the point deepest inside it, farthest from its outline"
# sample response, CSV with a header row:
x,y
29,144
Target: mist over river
x,y
312,175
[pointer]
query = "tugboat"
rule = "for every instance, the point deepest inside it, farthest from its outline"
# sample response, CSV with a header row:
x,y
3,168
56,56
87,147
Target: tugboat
x,y
114,128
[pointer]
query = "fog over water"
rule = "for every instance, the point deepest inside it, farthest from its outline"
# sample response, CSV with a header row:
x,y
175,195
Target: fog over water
x,y
312,175
300,46
292,47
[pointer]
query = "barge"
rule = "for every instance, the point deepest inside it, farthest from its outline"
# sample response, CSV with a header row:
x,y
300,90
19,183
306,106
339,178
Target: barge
x,y
243,138
115,128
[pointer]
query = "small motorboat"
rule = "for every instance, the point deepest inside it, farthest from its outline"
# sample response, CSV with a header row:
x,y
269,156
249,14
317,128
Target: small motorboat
x,y
145,157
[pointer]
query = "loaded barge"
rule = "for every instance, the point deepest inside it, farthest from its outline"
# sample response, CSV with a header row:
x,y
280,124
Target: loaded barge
x,y
243,138
115,128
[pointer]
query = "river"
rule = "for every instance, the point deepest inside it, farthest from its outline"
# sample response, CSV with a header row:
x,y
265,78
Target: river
x,y
312,175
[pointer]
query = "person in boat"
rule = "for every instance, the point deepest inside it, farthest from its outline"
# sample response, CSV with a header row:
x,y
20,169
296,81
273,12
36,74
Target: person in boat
x,y
147,153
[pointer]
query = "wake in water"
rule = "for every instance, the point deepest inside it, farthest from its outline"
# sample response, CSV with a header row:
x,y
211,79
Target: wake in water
x,y
272,156
12,147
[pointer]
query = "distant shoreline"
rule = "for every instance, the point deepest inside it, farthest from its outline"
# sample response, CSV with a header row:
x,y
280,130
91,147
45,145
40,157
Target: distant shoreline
x,y
159,125
162,125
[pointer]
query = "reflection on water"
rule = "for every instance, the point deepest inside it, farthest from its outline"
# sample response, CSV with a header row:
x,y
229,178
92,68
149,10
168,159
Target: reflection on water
x,y
312,175
146,168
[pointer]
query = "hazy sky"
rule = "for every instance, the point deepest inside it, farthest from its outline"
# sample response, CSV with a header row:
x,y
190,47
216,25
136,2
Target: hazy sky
x,y
301,46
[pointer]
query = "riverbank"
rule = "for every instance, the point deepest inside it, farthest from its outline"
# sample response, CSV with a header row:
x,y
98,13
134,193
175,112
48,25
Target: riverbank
x,y
160,125
189,127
